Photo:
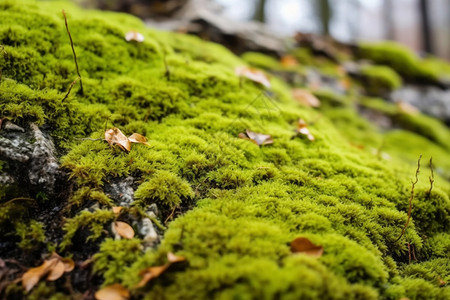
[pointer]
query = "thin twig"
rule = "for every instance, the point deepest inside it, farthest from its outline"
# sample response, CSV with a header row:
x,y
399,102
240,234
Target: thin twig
x,y
73,50
411,198
171,215
70,88
2,49
431,179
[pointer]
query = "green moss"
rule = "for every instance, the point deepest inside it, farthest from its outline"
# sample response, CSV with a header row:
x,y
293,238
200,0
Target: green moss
x,y
259,60
380,80
32,235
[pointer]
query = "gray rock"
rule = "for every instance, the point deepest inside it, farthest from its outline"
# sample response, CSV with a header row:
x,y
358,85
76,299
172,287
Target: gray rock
x,y
121,190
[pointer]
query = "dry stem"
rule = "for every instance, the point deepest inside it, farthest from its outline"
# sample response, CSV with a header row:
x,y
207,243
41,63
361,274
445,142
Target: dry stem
x,y
73,50
431,179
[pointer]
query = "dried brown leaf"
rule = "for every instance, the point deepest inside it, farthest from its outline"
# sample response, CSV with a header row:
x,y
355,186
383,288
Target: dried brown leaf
x,y
56,271
31,277
133,35
254,75
123,229
151,273
305,97
69,264
257,138
115,137
138,138
407,108
172,258
305,246
113,292
302,128
117,209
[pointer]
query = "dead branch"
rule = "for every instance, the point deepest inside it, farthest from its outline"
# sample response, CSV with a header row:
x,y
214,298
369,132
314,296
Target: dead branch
x,y
431,178
411,198
70,88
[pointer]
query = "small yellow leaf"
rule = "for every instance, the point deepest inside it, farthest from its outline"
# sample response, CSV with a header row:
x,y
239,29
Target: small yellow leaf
x,y
56,271
115,137
133,35
305,97
305,246
124,230
254,75
117,209
138,138
289,61
113,292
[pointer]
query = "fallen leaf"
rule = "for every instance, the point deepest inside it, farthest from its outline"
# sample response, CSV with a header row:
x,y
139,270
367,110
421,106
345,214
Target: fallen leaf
x,y
31,277
117,209
151,273
112,292
134,36
123,229
289,61
56,271
254,75
115,137
407,108
69,264
305,246
138,138
303,129
257,138
172,258
305,97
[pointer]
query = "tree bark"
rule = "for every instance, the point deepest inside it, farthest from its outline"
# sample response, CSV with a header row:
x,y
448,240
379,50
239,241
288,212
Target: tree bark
x,y
260,14
427,37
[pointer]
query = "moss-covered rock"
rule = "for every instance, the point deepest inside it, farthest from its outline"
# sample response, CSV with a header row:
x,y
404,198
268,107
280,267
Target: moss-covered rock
x,y
235,206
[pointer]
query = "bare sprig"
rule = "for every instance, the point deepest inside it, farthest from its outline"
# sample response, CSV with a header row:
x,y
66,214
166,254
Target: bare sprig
x,y
2,50
70,88
431,178
411,198
73,50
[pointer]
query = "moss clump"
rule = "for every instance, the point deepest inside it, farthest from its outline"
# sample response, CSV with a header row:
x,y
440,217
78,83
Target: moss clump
x,y
260,60
239,205
380,80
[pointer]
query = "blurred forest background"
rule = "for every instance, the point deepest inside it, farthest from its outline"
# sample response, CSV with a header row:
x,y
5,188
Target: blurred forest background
x,y
423,25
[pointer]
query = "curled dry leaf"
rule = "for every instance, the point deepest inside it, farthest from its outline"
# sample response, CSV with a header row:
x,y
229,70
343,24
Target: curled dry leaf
x,y
113,292
69,264
153,272
138,138
56,271
133,35
289,61
31,277
123,229
257,138
305,97
305,246
254,75
303,129
115,137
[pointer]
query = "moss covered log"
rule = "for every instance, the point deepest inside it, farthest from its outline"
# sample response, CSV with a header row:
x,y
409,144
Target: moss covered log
x,y
227,205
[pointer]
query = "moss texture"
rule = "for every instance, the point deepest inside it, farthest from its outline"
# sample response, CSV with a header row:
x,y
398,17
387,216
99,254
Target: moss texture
x,y
238,205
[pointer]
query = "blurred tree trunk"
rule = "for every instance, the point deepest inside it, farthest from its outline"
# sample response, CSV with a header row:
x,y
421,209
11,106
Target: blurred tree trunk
x,y
388,12
427,37
260,14
324,12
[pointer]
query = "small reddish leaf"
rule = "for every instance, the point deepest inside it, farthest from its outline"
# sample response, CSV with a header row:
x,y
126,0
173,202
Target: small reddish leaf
x,y
305,97
123,229
303,129
115,137
305,246
151,273
288,61
257,138
56,271
113,292
31,277
172,258
134,36
254,75
138,138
